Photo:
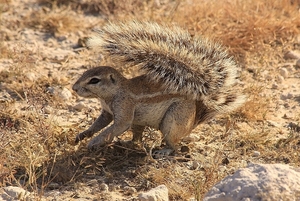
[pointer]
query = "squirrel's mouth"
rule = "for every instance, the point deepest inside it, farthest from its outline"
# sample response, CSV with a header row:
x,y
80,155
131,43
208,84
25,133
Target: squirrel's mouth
x,y
83,92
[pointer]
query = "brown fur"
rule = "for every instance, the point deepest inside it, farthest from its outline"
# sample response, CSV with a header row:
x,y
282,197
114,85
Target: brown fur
x,y
187,81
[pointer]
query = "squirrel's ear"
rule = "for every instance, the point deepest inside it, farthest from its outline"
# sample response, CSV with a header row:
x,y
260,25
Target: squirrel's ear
x,y
111,77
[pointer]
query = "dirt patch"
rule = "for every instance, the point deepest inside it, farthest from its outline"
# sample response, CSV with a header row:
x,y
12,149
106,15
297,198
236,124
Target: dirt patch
x,y
41,56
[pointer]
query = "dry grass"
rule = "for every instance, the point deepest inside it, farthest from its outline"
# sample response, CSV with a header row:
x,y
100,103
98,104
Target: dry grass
x,y
57,20
35,150
244,26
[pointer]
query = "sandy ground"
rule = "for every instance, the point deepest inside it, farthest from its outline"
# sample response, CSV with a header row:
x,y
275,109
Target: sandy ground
x,y
30,56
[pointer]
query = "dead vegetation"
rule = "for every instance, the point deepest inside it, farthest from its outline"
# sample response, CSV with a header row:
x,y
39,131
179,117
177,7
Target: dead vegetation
x,y
36,150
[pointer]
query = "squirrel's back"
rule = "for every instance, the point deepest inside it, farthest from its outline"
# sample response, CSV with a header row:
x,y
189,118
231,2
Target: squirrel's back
x,y
191,66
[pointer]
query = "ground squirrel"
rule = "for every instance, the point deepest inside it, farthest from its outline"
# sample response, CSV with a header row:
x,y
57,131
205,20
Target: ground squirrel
x,y
186,81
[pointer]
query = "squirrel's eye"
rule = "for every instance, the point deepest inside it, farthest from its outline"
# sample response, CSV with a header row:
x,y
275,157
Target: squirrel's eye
x,y
94,81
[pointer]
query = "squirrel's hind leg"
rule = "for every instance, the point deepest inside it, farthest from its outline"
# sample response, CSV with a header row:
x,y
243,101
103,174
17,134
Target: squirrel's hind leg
x,y
178,122
137,132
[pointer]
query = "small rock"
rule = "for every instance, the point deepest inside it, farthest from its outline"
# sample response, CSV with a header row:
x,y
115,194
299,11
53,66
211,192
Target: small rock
x,y
103,187
48,109
274,86
30,76
191,138
286,96
16,193
256,153
65,94
292,55
53,185
61,93
129,190
194,165
298,63
50,90
283,97
79,106
160,193
290,69
258,182
284,72
53,193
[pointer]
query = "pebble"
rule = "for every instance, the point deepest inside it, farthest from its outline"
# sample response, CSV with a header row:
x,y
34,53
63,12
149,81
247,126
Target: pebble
x,y
256,153
50,90
103,187
284,72
30,76
160,193
274,86
292,55
61,93
79,106
191,138
65,94
129,190
53,185
14,193
196,165
290,69
286,96
47,109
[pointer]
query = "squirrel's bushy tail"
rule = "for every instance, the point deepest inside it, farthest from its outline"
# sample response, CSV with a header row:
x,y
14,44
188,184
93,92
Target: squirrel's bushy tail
x,y
191,66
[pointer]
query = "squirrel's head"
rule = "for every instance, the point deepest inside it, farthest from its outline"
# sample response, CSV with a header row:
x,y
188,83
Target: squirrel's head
x,y
100,82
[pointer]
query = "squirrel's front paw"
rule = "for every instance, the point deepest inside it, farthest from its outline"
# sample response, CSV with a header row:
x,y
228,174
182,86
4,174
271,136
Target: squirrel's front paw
x,y
98,141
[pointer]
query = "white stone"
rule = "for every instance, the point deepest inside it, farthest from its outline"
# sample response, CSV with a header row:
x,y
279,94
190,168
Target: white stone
x,y
30,76
258,182
15,193
160,193
65,94
256,153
